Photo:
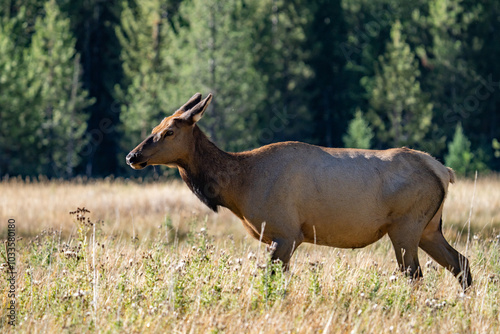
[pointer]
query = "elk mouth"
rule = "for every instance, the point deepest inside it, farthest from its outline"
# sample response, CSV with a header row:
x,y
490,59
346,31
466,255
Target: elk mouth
x,y
138,165
136,161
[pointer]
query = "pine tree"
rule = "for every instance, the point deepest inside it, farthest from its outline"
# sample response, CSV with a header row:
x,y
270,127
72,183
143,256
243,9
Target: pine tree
x,y
359,133
462,158
55,92
449,76
280,34
17,125
93,23
399,110
214,53
482,46
326,31
22,15
459,155
145,35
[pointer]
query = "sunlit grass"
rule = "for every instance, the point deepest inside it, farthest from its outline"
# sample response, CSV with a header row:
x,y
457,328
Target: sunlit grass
x,y
154,259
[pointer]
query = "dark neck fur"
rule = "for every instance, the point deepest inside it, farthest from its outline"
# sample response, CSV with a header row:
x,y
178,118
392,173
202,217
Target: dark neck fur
x,y
209,172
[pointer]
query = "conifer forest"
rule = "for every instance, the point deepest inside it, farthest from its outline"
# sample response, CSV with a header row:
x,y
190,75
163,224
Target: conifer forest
x,y
84,81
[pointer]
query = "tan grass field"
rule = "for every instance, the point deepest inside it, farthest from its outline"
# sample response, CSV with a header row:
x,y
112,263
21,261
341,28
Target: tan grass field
x,y
157,260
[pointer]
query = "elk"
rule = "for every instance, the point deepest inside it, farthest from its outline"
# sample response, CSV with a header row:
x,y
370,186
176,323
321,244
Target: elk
x,y
346,198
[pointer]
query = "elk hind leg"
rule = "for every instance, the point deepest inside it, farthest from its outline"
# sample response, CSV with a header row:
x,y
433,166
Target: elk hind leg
x,y
434,244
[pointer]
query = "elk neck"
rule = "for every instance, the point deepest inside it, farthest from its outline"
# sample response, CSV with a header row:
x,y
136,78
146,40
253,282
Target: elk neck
x,y
213,175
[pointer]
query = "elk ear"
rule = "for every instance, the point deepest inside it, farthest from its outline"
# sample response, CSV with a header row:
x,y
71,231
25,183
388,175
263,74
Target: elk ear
x,y
194,114
194,100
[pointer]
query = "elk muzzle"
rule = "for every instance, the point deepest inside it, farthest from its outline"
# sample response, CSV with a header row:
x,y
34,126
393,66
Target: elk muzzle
x,y
136,161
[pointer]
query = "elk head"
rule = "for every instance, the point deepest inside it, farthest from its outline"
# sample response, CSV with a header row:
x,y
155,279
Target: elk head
x,y
172,140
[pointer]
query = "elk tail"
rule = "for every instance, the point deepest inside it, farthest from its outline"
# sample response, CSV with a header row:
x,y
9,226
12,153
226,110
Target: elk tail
x,y
452,175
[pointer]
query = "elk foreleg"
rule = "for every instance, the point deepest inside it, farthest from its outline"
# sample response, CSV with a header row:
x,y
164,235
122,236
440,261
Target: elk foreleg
x,y
405,244
282,249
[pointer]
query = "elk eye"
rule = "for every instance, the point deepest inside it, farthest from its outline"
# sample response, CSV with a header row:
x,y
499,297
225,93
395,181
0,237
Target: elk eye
x,y
169,133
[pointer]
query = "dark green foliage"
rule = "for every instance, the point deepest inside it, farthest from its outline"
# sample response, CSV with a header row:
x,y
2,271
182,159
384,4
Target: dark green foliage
x,y
215,54
59,99
399,110
13,133
327,87
145,36
42,103
280,55
82,82
482,49
460,156
496,147
359,132
93,25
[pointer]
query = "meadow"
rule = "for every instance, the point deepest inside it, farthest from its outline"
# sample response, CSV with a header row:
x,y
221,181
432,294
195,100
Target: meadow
x,y
150,257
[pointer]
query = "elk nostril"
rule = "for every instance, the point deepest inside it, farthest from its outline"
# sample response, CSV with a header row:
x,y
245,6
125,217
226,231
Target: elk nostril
x,y
130,157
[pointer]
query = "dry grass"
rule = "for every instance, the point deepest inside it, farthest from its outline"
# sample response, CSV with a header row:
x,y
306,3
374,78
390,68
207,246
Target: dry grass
x,y
161,262
486,204
125,207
